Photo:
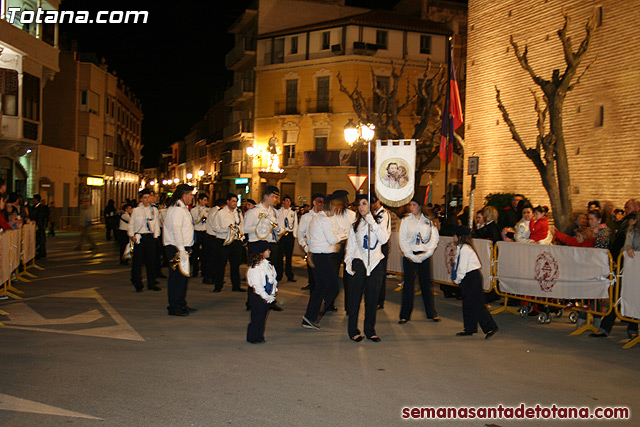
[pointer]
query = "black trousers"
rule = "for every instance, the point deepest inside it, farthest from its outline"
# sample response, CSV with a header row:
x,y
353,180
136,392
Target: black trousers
x,y
197,259
369,285
338,260
474,310
208,271
275,251
383,288
233,254
259,313
41,242
177,283
312,279
144,252
286,251
326,288
423,270
276,259
123,239
158,255
610,319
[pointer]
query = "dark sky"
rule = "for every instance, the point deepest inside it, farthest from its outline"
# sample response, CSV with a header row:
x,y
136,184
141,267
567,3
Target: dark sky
x,y
174,63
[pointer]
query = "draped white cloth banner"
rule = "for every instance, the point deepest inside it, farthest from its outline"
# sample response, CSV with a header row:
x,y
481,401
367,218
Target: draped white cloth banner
x,y
445,256
630,292
28,242
14,255
553,271
5,248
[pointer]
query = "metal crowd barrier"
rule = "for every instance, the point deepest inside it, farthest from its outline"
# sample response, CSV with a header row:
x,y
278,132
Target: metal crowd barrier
x,y
618,298
444,257
592,307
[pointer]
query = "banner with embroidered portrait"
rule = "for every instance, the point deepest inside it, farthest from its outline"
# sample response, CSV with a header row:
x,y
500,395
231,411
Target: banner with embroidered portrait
x,y
395,171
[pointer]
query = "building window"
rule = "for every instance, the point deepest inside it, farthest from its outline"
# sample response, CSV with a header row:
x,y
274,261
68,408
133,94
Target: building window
x,y
91,148
278,51
31,97
321,137
294,45
322,102
89,101
326,40
382,39
600,117
291,105
9,92
425,44
289,147
599,16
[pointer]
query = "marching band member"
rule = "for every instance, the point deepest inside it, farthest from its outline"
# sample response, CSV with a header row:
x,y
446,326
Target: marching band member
x,y
143,229
121,235
363,261
178,239
153,199
383,217
199,214
261,223
261,278
322,241
418,238
228,228
341,221
303,228
289,225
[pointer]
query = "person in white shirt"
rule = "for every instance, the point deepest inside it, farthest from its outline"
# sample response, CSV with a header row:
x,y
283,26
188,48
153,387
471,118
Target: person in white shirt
x,y
303,227
199,214
261,278
322,241
383,217
225,223
288,222
364,263
178,238
418,238
261,224
123,226
342,219
153,199
466,273
143,229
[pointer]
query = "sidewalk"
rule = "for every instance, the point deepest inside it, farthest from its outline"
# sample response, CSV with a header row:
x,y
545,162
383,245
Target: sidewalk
x,y
101,350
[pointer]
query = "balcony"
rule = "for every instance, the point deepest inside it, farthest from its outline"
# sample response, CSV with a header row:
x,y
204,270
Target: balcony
x,y
319,106
238,128
242,54
239,92
231,169
29,130
321,158
284,108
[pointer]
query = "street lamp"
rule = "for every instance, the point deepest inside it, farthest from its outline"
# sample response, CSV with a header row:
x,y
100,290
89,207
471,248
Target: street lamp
x,y
176,180
358,136
200,173
189,176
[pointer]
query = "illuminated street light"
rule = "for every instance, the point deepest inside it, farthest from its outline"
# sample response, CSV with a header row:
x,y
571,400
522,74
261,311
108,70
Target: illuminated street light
x,y
250,150
152,182
200,172
176,180
189,175
358,136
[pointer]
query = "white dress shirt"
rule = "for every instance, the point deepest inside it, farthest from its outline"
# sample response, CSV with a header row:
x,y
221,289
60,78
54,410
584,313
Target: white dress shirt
x,y
125,219
211,217
144,221
257,277
467,260
252,221
223,219
288,221
321,236
199,215
358,242
178,227
303,229
417,235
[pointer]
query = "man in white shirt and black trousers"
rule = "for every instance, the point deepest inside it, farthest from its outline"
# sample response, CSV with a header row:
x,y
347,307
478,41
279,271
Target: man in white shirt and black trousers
x,y
226,221
199,214
289,225
143,229
261,223
178,238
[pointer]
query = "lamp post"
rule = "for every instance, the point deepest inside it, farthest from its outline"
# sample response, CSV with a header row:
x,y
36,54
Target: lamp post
x,y
358,136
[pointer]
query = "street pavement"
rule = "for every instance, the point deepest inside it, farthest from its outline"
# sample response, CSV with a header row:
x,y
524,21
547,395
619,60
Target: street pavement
x,y
84,349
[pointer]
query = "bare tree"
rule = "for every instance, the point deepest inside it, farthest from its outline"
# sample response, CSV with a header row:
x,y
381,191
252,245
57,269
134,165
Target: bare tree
x,y
549,155
385,113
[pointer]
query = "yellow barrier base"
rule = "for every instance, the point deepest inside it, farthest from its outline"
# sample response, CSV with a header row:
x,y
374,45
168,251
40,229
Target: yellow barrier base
x,y
36,266
22,279
631,343
587,326
26,273
506,308
10,295
17,291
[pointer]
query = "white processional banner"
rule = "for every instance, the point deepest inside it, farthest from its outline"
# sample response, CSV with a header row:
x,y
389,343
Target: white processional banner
x,y
395,171
445,255
630,291
28,242
553,271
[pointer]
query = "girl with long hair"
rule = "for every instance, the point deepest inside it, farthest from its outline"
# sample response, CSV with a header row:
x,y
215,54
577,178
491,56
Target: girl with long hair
x,y
261,278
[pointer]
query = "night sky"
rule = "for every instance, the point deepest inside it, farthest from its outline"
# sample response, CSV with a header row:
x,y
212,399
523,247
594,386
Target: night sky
x,y
174,63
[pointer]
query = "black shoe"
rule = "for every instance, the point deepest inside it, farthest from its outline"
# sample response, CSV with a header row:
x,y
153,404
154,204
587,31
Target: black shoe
x,y
154,288
357,338
178,312
155,282
403,321
491,333
332,308
190,309
216,290
276,307
464,334
292,280
374,338
261,341
380,307
239,290
308,324
436,319
139,289
598,335
304,288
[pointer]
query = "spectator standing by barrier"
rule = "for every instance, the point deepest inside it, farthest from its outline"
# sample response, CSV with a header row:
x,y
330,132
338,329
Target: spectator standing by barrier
x,y
110,219
466,273
630,208
40,215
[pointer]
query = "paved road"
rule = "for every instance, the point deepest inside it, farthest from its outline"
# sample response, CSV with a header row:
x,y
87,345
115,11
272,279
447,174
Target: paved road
x,y
84,349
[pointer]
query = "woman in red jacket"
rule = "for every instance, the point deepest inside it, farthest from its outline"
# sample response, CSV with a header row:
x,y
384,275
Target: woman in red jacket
x,y
601,234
